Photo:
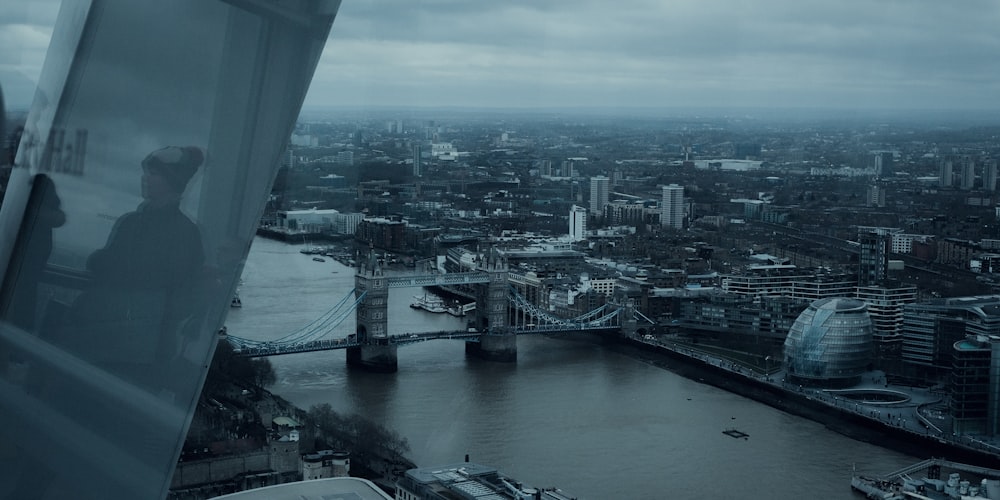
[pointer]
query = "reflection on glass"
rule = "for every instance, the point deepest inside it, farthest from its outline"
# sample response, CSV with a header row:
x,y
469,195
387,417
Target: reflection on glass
x,y
143,294
145,160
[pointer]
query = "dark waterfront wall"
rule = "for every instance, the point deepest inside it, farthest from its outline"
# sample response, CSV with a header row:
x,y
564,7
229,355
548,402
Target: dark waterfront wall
x,y
272,234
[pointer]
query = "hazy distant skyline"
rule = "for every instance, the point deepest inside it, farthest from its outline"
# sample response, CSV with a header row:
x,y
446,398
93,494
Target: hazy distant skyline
x,y
767,53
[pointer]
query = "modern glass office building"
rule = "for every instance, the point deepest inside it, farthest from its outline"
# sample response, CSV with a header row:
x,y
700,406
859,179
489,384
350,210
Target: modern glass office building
x,y
830,344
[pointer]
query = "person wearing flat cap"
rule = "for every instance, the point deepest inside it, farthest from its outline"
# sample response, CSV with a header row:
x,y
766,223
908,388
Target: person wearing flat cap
x,y
143,279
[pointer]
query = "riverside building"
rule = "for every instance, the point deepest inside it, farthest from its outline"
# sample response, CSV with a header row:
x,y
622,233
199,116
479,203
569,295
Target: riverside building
x,y
830,344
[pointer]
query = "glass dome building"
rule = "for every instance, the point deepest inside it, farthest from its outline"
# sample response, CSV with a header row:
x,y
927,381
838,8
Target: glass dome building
x,y
830,344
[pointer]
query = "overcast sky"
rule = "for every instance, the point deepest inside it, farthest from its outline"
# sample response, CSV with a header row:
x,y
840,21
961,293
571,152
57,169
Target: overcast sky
x,y
662,53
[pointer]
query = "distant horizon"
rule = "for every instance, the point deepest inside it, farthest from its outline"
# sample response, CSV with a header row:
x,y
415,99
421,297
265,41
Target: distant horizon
x,y
971,116
773,57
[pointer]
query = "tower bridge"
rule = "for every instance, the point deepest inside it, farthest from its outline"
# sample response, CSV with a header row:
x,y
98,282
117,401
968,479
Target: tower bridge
x,y
501,315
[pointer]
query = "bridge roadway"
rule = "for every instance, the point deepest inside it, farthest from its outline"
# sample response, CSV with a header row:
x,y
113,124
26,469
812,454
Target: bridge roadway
x,y
266,349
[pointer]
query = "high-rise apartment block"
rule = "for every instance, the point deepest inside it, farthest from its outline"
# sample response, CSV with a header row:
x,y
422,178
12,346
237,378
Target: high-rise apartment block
x,y
672,207
990,175
876,195
417,165
968,173
873,260
947,172
600,187
578,223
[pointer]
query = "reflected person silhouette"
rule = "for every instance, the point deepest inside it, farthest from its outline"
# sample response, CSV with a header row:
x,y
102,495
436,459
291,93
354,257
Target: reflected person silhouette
x,y
20,301
142,288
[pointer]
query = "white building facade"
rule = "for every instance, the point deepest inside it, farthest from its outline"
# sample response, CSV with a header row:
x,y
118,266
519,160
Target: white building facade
x,y
577,223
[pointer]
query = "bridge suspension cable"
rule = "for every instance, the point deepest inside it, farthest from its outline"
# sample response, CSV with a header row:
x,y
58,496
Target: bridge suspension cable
x,y
321,326
591,318
643,316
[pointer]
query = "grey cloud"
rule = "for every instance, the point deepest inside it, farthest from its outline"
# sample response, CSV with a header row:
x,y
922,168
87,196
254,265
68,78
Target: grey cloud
x,y
650,52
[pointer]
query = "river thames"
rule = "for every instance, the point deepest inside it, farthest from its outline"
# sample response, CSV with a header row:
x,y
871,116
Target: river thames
x,y
568,413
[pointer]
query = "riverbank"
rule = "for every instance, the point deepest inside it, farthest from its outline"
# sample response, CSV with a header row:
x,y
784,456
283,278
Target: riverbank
x,y
263,455
853,424
277,234
376,452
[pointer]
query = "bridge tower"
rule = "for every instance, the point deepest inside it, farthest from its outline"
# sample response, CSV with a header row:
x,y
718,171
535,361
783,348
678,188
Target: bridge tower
x,y
497,342
375,353
630,325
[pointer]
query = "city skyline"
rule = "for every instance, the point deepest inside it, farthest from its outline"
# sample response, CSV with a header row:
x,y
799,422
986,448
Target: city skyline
x,y
848,55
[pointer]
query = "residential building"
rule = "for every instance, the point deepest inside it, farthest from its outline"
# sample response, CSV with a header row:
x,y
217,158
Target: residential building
x,y
885,307
599,189
382,233
873,260
624,213
990,175
789,281
947,172
876,195
672,207
417,161
740,315
883,164
577,223
967,176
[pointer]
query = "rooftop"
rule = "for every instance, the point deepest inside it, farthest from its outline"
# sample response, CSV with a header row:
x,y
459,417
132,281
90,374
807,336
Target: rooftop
x,y
317,489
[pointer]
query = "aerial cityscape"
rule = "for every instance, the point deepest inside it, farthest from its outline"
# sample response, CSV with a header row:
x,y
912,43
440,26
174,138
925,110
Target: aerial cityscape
x,y
846,261
527,250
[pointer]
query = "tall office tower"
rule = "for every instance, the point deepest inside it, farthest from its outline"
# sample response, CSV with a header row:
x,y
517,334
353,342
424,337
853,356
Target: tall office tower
x,y
672,206
990,176
968,173
883,164
599,189
873,261
578,223
417,167
947,172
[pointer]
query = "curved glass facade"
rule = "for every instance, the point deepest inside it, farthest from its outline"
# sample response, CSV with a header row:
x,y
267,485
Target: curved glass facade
x,y
830,344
